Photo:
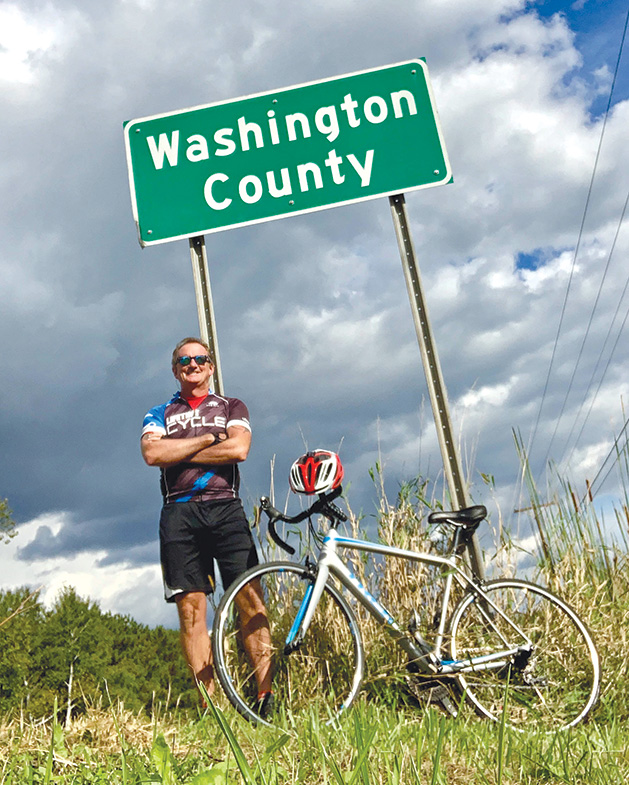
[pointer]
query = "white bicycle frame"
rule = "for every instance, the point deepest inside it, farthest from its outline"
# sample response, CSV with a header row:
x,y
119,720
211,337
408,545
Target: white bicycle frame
x,y
427,658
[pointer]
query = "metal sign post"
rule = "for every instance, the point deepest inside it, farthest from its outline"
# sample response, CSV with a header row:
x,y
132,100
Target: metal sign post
x,y
432,369
288,152
205,308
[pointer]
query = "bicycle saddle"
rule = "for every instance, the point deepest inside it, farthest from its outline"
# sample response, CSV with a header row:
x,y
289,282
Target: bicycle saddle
x,y
468,518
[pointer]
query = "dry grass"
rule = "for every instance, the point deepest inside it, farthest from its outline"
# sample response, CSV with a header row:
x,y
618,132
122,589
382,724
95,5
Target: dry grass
x,y
383,740
374,743
99,729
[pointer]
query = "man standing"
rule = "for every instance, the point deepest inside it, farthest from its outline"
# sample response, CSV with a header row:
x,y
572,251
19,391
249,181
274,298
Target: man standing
x,y
198,439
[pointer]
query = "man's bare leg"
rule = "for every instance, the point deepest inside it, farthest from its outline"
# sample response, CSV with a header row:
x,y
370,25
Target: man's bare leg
x,y
256,636
193,634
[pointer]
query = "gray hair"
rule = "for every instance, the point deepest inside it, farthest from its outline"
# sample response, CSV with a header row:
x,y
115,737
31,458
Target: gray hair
x,y
190,339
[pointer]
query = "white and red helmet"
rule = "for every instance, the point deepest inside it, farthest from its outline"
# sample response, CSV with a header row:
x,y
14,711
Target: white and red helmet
x,y
317,471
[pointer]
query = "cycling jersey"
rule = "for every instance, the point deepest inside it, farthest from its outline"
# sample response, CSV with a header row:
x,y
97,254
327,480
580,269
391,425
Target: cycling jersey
x,y
193,482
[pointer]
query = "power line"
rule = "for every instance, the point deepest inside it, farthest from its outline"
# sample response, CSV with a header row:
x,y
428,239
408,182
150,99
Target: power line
x,y
601,380
576,252
598,361
609,454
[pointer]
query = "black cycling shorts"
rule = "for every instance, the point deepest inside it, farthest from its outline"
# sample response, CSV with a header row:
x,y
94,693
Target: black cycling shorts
x,y
193,534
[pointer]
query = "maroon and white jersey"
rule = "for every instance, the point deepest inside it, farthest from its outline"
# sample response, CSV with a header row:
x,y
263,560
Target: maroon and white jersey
x,y
185,482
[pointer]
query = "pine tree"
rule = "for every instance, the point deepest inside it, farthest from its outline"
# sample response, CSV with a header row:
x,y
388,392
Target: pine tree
x,y
7,524
21,625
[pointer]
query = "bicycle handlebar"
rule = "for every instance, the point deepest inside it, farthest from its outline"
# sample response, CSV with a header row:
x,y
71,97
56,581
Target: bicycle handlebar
x,y
322,505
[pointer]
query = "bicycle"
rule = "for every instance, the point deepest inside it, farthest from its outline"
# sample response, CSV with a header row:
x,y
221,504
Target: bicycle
x,y
512,649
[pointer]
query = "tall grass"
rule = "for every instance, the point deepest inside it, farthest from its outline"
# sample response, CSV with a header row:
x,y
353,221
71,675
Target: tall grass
x,y
386,738
585,559
375,743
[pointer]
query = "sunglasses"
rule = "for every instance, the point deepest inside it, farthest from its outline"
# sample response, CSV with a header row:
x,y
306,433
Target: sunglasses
x,y
200,359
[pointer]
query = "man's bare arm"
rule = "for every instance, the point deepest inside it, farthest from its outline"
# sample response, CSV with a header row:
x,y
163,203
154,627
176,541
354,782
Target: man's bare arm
x,y
162,451
233,448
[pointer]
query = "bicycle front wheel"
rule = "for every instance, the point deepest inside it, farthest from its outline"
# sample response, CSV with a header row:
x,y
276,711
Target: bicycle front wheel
x,y
554,684
324,672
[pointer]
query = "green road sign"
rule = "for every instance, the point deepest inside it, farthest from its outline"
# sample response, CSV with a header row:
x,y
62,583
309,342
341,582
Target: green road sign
x,y
284,152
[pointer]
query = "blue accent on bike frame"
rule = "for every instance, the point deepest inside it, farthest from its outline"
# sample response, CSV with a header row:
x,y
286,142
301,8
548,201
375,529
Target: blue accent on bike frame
x,y
344,540
300,614
349,541
367,593
198,486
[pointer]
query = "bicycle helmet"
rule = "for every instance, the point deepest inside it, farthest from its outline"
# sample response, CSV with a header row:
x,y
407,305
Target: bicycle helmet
x,y
317,471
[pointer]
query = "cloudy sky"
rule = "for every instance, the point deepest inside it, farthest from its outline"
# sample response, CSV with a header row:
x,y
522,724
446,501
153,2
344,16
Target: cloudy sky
x,y
523,261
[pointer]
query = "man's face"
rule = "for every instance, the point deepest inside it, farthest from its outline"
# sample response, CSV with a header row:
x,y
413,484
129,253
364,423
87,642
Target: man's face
x,y
193,374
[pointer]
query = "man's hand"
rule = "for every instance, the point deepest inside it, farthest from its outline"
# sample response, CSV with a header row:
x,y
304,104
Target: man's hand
x,y
160,450
231,447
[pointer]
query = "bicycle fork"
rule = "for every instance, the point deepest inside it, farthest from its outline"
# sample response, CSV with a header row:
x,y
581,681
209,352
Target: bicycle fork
x,y
298,629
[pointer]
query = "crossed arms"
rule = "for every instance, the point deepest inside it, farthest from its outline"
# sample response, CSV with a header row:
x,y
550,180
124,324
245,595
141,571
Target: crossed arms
x,y
163,451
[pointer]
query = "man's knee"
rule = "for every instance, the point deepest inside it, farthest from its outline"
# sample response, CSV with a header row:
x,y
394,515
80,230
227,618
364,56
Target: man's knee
x,y
251,607
249,598
192,610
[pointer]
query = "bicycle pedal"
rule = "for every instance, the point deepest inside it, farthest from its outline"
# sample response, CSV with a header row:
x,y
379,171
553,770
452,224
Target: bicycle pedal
x,y
441,696
432,692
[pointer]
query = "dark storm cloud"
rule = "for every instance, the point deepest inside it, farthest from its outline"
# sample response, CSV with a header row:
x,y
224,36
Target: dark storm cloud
x,y
119,535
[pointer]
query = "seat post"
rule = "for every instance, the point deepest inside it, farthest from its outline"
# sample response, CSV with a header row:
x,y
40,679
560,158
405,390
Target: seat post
x,y
456,538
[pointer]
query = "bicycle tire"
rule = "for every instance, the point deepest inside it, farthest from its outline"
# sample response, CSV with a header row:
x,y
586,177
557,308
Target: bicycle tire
x,y
556,687
325,672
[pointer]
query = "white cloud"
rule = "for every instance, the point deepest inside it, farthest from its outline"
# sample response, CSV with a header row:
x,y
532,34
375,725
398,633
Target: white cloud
x,y
26,38
119,587
490,396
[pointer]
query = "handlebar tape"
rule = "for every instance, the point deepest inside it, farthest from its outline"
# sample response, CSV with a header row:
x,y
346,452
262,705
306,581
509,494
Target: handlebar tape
x,y
323,505
275,515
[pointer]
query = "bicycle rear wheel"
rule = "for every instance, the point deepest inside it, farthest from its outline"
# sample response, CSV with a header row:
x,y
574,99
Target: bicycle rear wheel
x,y
325,672
555,686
